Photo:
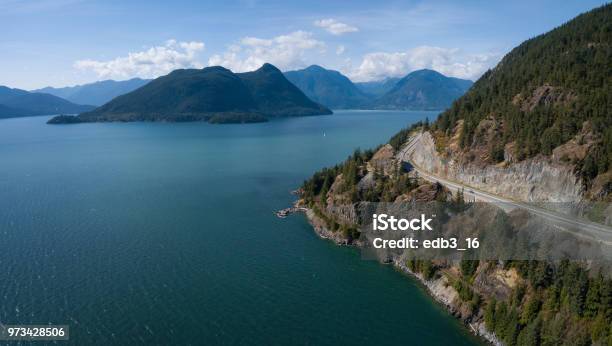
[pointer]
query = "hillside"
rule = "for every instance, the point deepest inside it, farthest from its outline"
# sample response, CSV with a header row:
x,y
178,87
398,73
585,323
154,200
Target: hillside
x,y
423,90
18,103
328,87
526,130
550,96
418,90
8,112
97,93
7,93
213,94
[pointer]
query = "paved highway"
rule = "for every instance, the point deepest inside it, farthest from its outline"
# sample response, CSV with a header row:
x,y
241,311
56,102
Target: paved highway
x,y
582,228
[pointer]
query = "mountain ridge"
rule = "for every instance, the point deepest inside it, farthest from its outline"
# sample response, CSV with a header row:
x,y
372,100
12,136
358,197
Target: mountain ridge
x,y
418,90
213,94
96,93
19,103
423,89
328,87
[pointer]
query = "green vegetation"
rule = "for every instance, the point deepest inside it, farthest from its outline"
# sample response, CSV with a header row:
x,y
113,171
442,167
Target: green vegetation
x,y
236,118
386,188
560,304
540,95
544,90
64,119
402,136
212,94
426,268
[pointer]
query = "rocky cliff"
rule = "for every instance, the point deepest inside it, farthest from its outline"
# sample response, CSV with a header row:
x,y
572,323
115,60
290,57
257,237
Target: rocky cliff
x,y
537,179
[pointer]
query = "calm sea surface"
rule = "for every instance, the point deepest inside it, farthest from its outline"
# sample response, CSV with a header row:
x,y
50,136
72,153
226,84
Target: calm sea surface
x,y
158,233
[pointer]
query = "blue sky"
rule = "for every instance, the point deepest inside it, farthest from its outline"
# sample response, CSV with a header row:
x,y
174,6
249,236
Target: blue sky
x,y
67,42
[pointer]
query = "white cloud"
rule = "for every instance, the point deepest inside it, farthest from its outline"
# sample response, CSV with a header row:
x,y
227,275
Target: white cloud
x,y
151,63
448,61
340,50
284,51
335,27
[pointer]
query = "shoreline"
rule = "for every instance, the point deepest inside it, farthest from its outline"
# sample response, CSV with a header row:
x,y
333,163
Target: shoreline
x,y
438,289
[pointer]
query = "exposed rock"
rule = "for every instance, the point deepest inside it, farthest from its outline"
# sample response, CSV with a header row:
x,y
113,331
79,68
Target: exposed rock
x,y
509,150
367,182
545,95
498,283
423,193
577,148
532,180
323,231
601,188
383,160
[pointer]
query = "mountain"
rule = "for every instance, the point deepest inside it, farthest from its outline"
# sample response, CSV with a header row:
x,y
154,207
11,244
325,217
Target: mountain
x,y
536,128
423,90
214,94
97,93
7,93
328,87
551,96
419,90
8,112
18,103
377,88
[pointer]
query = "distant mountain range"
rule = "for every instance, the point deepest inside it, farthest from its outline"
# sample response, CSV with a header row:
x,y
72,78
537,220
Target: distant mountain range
x,y
214,94
419,90
328,87
97,93
379,87
19,103
423,89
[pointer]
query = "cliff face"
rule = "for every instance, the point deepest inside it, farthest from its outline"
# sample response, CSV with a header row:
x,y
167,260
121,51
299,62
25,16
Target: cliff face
x,y
536,179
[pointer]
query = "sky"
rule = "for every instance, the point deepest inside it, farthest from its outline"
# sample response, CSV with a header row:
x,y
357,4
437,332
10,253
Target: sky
x,y
68,42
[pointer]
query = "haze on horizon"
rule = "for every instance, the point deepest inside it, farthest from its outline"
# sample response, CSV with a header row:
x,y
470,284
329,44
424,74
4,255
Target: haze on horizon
x,y
68,42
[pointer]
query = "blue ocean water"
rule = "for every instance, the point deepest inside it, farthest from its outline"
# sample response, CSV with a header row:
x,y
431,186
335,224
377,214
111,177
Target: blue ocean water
x,y
157,233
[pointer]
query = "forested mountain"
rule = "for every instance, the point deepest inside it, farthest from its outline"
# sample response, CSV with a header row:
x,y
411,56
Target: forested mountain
x,y
423,90
214,94
18,103
541,95
418,90
548,97
97,93
8,112
328,87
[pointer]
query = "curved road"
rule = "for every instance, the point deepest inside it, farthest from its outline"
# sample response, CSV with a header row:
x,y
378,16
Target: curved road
x,y
579,227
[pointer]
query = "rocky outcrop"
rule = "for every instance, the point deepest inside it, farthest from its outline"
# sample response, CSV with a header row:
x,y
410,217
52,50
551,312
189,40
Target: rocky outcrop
x,y
383,160
545,95
320,227
443,292
538,179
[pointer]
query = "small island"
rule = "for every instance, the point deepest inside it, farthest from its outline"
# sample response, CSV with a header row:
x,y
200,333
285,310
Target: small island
x,y
213,94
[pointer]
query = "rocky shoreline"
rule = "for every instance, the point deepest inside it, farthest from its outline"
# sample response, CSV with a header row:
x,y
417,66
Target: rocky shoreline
x,y
439,289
